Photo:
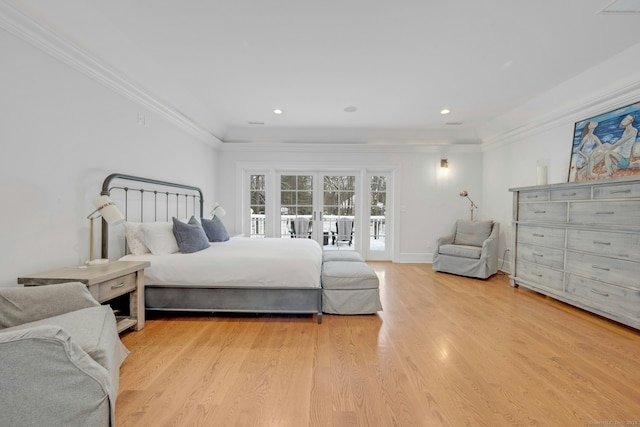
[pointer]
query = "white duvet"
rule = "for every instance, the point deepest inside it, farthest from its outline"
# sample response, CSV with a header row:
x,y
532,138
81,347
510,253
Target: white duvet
x,y
238,262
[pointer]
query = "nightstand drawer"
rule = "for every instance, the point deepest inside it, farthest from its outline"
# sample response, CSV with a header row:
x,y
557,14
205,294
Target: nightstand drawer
x,y
113,288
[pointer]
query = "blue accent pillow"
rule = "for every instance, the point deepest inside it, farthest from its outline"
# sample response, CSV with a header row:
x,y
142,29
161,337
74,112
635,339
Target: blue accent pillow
x,y
215,229
190,237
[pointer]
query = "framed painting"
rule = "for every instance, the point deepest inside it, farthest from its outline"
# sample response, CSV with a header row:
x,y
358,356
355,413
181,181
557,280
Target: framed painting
x,y
606,146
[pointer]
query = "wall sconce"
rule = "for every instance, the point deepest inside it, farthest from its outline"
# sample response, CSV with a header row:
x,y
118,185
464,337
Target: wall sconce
x,y
465,193
108,210
218,211
444,163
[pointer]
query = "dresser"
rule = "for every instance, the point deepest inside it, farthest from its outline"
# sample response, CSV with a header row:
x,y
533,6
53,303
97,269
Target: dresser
x,y
580,243
107,283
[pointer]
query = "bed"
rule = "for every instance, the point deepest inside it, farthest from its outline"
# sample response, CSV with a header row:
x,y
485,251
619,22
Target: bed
x,y
240,275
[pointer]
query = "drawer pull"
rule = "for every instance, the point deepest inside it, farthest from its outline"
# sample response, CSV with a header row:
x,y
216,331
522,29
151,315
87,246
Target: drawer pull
x,y
597,267
597,242
117,286
628,190
538,255
537,275
604,294
532,197
538,235
540,212
569,194
605,213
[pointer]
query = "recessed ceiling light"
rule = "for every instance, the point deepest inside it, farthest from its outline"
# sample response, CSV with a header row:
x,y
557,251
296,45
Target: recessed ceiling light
x,y
350,109
278,111
445,111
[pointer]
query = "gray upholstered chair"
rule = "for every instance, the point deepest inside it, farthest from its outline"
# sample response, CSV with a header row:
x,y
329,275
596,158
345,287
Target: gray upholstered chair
x,y
471,249
61,356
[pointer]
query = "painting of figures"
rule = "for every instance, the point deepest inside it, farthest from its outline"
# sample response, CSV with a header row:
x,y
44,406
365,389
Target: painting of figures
x,y
606,146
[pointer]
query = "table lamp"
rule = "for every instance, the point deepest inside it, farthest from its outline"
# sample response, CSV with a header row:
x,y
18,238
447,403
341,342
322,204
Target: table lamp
x,y
106,209
218,211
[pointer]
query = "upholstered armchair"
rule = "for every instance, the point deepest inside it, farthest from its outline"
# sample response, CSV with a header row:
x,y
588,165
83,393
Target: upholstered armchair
x,y
60,357
471,249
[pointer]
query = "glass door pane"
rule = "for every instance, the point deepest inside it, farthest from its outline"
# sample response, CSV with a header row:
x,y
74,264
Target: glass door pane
x,y
339,212
296,205
258,205
379,210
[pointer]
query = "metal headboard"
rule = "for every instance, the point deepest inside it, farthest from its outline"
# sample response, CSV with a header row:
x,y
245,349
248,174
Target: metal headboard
x,y
192,198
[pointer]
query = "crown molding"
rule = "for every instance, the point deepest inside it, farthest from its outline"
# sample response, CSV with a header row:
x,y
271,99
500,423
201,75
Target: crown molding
x,y
625,94
26,28
290,147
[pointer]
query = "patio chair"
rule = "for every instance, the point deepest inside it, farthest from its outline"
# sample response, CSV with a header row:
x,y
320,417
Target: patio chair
x,y
344,231
301,228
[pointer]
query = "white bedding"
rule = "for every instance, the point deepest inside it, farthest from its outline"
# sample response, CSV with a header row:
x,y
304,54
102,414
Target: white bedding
x,y
239,262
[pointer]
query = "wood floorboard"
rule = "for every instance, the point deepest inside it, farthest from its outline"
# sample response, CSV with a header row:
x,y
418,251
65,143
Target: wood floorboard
x,y
446,351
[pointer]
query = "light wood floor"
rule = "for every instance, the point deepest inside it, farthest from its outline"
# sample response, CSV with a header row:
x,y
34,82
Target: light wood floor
x,y
446,351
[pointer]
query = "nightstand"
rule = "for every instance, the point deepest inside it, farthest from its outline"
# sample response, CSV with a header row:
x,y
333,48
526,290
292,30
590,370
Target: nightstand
x,y
106,282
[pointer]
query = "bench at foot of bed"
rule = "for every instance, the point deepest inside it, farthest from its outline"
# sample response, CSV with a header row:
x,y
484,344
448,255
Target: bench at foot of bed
x,y
349,285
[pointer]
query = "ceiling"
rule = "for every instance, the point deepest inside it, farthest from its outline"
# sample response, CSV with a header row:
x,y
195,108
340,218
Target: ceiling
x,y
226,65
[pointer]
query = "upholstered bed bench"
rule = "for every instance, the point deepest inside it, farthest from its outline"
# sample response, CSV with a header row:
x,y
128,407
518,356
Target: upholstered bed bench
x,y
349,285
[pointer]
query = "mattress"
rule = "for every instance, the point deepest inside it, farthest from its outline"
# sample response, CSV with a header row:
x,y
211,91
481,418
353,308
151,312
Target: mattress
x,y
239,262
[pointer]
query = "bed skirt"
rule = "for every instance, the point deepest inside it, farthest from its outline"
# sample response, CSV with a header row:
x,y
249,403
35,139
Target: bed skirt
x,y
238,299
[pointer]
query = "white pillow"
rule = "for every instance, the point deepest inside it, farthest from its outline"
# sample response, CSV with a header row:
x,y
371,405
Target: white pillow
x,y
159,238
133,234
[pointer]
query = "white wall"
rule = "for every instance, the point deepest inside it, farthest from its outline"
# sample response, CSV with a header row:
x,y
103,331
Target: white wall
x,y
426,204
61,134
542,129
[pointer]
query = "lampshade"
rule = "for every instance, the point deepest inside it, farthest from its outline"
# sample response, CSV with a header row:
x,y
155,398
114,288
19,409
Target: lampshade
x,y
108,210
218,210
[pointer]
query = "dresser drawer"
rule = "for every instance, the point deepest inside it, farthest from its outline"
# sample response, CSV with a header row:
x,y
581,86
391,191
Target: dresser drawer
x,y
615,299
605,213
608,243
617,191
539,275
580,193
543,236
534,196
541,255
608,270
543,212
115,287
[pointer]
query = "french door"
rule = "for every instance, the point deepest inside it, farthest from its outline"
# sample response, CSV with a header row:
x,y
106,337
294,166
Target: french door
x,y
341,210
319,205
